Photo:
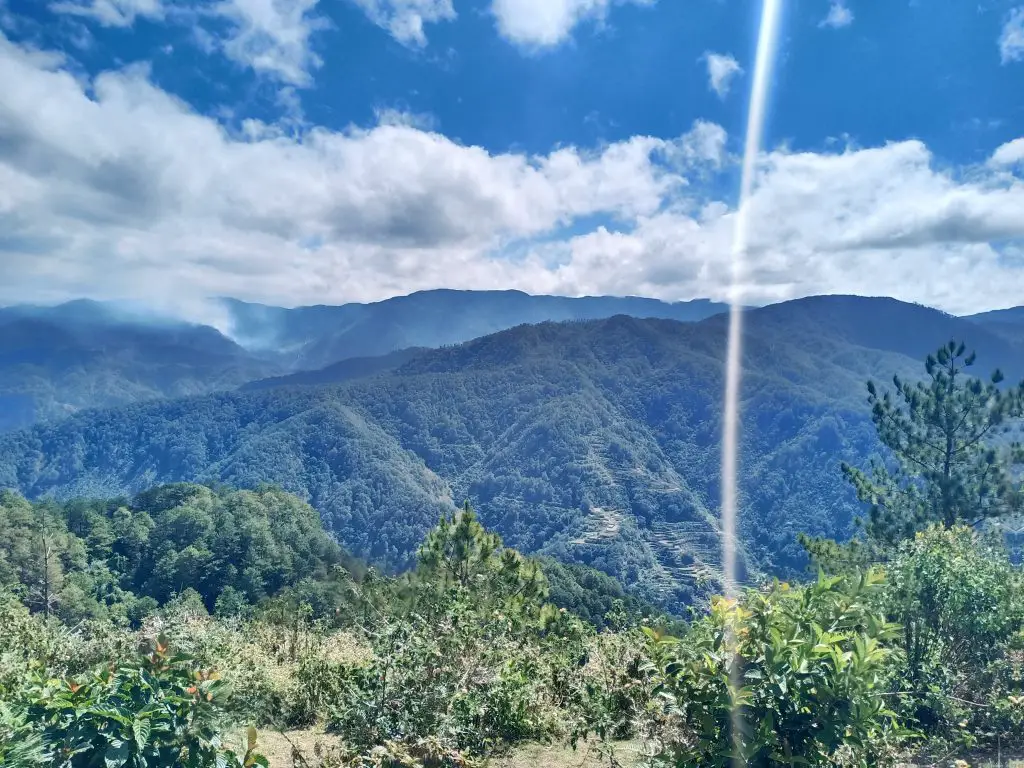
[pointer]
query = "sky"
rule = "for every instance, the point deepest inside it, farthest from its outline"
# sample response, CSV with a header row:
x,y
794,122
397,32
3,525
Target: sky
x,y
324,151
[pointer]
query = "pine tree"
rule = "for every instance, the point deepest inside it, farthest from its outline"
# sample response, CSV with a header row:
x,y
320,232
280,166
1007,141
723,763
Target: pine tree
x,y
461,552
946,465
44,574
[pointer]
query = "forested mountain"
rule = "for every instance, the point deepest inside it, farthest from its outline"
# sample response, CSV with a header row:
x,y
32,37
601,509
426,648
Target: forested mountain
x,y
57,360
596,441
1008,323
344,370
314,337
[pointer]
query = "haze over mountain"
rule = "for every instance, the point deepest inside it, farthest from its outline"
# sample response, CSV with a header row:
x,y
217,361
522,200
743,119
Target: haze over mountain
x,y
314,337
82,354
58,359
593,441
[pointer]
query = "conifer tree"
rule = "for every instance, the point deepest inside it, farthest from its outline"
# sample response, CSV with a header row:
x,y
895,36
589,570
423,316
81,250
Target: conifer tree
x,y
947,464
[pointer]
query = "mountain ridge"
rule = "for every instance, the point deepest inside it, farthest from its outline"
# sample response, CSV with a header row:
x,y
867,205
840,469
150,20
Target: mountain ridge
x,y
595,442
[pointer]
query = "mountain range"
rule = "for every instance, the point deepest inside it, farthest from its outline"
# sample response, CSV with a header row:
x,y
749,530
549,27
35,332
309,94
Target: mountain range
x,y
83,354
593,441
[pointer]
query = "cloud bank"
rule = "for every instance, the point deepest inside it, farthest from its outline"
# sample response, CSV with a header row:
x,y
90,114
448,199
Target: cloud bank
x,y
113,188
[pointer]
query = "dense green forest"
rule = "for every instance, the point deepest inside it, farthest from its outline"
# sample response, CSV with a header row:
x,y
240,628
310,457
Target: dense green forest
x,y
117,559
595,443
906,649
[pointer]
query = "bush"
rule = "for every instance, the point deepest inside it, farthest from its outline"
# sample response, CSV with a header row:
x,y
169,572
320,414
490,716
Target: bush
x,y
961,605
803,669
160,710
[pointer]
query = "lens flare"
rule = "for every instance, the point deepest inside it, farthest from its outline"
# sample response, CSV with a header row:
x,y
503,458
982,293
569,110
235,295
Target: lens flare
x,y
766,40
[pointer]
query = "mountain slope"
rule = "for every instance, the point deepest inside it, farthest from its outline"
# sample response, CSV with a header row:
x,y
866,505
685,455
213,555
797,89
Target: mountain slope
x,y
345,370
57,360
596,442
315,337
1008,323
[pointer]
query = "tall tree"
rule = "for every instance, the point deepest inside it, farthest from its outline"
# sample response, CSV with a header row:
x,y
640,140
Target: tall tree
x,y
461,552
950,456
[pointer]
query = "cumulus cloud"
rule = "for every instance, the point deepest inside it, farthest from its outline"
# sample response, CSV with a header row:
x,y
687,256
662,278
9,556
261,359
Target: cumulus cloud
x,y
113,188
404,19
1010,153
838,16
272,37
869,221
546,23
111,13
118,167
722,69
1011,40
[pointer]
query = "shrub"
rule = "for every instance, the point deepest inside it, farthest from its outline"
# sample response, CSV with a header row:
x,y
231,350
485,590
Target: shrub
x,y
803,670
160,710
960,603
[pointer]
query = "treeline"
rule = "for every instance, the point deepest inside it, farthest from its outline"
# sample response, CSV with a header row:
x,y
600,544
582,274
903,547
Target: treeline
x,y
119,559
230,550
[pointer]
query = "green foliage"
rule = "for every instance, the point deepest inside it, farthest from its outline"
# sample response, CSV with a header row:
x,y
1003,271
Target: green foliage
x,y
560,435
461,554
161,710
466,652
464,658
116,559
596,597
787,676
961,607
21,744
940,433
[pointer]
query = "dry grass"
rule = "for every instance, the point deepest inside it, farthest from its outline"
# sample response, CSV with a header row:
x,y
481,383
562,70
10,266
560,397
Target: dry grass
x,y
277,747
625,754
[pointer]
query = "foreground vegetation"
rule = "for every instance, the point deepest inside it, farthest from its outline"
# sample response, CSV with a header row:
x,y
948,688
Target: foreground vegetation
x,y
123,650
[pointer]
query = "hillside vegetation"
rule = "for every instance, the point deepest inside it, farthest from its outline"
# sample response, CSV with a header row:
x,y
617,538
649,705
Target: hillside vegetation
x,y
908,643
57,360
463,659
594,442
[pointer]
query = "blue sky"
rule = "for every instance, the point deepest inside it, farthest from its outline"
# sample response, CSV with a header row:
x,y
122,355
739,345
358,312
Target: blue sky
x,y
301,151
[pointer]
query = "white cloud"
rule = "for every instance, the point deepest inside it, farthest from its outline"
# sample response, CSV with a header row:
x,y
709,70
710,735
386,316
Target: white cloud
x,y
722,68
838,16
1010,153
272,37
111,13
870,221
703,144
1011,40
404,19
114,188
546,23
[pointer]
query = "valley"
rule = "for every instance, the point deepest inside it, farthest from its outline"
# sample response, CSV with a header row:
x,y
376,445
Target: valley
x,y
591,441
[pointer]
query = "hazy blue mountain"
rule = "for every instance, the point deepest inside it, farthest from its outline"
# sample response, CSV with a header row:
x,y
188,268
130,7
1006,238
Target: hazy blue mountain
x,y
346,370
595,442
314,337
1008,323
57,360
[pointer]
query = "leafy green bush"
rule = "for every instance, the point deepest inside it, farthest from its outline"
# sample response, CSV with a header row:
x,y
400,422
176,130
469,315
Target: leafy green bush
x,y
961,606
787,676
160,710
